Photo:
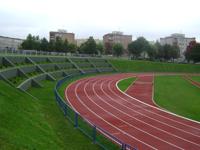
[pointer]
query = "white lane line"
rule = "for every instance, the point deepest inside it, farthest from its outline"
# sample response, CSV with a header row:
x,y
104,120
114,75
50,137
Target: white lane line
x,y
153,118
134,99
108,122
110,113
137,112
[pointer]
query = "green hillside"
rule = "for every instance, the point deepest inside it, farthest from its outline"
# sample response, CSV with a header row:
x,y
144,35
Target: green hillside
x,y
149,66
29,123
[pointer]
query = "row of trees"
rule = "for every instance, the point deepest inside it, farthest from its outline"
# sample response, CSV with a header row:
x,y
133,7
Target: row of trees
x,y
154,51
91,47
137,49
35,43
193,52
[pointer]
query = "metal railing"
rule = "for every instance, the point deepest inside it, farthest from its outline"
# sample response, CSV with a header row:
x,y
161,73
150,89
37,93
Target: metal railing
x,y
43,53
98,135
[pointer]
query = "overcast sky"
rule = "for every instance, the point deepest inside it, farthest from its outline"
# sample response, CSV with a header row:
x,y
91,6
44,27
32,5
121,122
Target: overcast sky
x,y
149,18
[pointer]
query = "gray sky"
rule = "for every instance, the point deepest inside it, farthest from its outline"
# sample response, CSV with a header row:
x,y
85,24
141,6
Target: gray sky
x,y
149,18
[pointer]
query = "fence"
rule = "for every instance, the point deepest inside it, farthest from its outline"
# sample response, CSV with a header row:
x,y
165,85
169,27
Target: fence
x,y
98,135
43,53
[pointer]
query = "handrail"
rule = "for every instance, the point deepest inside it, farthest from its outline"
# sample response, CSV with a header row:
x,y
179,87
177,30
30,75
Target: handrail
x,y
64,107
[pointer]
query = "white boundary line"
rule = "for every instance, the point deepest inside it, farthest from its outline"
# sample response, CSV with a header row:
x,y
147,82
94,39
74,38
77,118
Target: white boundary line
x,y
107,121
137,112
161,109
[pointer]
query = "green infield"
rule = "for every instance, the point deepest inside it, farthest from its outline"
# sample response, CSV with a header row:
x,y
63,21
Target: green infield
x,y
149,66
124,84
196,78
178,96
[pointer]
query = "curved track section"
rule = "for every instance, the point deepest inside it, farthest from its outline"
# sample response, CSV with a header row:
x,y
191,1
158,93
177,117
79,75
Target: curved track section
x,y
129,119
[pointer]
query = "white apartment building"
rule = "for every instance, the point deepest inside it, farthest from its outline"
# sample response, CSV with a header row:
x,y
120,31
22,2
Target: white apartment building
x,y
179,40
9,43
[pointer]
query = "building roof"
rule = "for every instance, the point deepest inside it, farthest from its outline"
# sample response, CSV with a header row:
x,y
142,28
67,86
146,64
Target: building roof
x,y
11,38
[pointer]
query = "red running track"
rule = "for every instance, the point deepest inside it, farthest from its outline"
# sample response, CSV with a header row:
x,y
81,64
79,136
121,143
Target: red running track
x,y
142,89
132,121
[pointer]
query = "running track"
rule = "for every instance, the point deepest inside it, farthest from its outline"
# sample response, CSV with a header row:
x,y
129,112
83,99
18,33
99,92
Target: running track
x,y
134,122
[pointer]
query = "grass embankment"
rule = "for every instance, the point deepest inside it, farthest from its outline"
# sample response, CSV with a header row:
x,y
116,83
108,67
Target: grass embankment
x,y
28,123
149,66
178,96
124,84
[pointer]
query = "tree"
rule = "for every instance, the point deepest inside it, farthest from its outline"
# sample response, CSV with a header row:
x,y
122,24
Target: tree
x,y
58,44
193,52
89,47
152,51
138,46
72,47
117,49
100,48
188,50
31,43
44,44
65,46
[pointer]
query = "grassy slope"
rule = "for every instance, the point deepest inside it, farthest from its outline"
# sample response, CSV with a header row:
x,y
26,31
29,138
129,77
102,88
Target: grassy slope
x,y
149,66
28,123
178,95
69,137
124,84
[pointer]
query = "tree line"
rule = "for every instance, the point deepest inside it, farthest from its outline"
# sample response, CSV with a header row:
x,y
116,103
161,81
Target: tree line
x,y
138,49
35,43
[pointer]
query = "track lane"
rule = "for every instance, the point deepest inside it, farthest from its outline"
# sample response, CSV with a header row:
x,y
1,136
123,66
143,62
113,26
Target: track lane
x,y
101,122
92,98
153,123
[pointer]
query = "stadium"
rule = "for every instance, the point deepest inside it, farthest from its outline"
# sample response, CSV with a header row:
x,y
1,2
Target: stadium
x,y
59,102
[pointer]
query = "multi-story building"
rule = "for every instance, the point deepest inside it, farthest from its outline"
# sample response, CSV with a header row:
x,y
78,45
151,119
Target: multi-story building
x,y
63,34
177,40
116,37
9,43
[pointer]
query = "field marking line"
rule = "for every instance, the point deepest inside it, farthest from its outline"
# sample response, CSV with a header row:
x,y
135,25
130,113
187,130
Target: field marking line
x,y
107,121
161,110
125,122
139,113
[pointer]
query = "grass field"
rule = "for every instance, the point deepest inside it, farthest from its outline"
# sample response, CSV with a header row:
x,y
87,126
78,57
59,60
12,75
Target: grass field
x,y
28,123
124,84
196,78
149,66
177,95
37,123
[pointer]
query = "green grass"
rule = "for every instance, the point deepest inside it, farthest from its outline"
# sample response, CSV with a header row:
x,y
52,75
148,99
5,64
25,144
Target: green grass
x,y
28,123
149,66
178,96
196,78
124,84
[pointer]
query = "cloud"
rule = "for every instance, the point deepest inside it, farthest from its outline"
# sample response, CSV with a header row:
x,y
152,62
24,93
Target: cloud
x,y
150,18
